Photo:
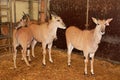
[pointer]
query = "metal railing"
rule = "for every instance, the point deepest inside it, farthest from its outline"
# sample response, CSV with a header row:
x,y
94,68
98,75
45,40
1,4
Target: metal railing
x,y
6,13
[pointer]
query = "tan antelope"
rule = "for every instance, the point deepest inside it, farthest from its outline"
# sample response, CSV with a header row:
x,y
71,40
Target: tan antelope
x,y
5,28
28,20
46,33
86,40
22,36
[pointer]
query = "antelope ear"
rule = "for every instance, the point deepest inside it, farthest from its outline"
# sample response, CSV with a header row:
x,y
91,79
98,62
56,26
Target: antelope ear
x,y
95,20
24,13
108,21
53,17
21,20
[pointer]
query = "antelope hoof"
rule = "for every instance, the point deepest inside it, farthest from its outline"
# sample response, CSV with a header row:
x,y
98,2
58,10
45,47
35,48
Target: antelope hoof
x,y
85,73
29,60
33,56
51,60
92,73
43,64
69,64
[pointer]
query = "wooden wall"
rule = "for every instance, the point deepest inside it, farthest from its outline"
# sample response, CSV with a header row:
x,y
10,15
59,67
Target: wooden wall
x,y
73,12
23,6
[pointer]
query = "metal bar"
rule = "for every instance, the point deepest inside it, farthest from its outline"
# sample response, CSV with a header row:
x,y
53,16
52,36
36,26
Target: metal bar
x,y
4,36
42,9
4,46
0,18
48,9
14,11
4,7
10,28
8,9
39,10
31,8
45,9
3,16
87,15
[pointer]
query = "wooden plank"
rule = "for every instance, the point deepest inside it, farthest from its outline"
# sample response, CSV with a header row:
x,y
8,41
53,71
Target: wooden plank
x,y
4,7
4,36
7,8
3,16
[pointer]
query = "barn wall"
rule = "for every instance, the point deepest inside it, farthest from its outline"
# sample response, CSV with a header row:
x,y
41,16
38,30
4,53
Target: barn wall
x,y
20,8
73,12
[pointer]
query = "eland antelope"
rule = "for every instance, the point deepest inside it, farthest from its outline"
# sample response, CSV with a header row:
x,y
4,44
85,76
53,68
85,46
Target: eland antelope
x,y
86,40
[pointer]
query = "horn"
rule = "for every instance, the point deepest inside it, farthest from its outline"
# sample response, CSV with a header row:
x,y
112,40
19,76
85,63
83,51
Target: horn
x,y
53,13
24,13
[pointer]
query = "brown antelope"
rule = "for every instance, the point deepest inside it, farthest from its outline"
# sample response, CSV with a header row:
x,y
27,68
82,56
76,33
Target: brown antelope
x,y
4,31
5,28
86,40
46,33
22,36
28,20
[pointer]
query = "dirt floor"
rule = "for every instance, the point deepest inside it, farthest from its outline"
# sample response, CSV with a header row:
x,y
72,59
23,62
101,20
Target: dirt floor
x,y
55,71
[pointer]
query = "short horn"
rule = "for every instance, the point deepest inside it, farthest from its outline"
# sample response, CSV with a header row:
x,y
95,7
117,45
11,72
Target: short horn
x,y
54,13
24,13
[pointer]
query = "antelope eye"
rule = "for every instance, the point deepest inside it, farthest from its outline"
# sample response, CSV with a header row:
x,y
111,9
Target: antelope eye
x,y
58,20
98,24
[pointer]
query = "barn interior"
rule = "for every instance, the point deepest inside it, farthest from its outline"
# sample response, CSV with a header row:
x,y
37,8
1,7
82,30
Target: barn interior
x,y
73,12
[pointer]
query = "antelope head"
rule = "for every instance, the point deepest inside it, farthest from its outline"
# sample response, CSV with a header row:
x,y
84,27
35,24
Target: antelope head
x,y
58,21
101,24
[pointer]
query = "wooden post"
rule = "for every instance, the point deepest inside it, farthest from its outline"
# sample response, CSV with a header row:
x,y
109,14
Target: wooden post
x,y
14,11
48,9
31,9
87,15
0,18
42,12
10,26
39,1
0,13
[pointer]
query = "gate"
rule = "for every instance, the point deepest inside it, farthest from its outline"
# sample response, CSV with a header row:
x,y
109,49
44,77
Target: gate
x,y
6,22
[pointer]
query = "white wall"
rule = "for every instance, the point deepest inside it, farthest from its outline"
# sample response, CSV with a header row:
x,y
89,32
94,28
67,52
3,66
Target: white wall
x,y
24,7
21,6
